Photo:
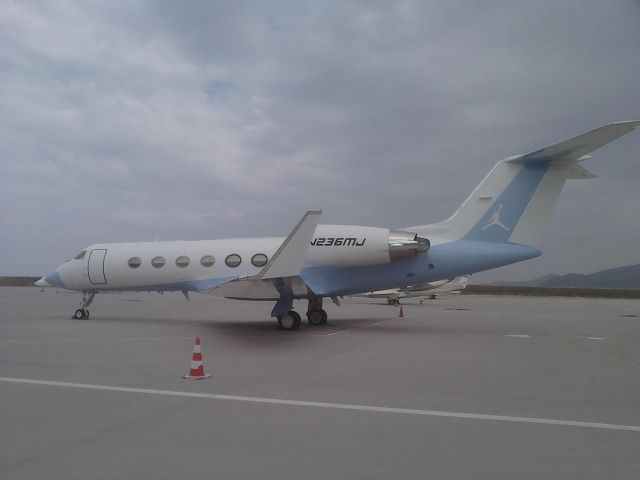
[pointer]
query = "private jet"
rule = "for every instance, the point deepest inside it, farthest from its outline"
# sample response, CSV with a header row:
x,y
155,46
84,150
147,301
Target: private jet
x,y
500,223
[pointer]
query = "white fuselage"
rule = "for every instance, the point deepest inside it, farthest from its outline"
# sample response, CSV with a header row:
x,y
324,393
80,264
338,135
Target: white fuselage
x,y
108,266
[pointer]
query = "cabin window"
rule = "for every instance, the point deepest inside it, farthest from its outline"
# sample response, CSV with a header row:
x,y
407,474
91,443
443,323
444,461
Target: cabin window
x,y
80,256
259,260
134,262
233,260
207,261
182,261
158,262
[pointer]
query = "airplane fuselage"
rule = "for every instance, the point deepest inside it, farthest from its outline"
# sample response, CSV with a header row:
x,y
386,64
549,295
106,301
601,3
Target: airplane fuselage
x,y
357,260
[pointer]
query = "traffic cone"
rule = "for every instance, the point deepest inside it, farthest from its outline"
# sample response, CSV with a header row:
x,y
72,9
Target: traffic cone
x,y
196,372
401,312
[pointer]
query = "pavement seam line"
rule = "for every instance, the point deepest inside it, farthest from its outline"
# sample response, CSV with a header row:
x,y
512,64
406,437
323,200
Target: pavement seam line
x,y
338,406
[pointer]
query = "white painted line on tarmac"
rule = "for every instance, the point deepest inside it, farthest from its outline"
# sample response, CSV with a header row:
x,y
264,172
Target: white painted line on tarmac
x,y
136,339
361,327
596,338
514,335
337,406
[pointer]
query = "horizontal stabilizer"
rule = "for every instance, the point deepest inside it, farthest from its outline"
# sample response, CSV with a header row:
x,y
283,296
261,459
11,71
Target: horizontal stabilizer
x,y
289,258
576,147
578,172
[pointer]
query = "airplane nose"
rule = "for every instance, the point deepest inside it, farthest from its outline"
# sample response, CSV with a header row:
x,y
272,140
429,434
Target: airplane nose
x,y
51,280
42,283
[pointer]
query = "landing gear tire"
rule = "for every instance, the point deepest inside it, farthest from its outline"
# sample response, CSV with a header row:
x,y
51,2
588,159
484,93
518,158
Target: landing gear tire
x,y
290,321
317,316
394,302
81,314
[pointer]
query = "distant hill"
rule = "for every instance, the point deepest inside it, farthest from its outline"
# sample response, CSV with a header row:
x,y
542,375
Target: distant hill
x,y
620,277
17,281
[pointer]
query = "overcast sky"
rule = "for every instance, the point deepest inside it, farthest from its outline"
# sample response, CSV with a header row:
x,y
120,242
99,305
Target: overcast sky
x,y
133,120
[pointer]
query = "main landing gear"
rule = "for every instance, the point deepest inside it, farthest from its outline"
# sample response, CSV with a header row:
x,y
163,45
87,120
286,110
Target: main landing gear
x,y
290,321
315,316
82,313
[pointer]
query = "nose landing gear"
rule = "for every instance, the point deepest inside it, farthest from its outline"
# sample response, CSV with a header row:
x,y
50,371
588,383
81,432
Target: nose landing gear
x,y
82,313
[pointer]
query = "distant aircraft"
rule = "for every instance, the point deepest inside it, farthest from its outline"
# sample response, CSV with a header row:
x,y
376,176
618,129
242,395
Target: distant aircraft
x,y
430,289
498,224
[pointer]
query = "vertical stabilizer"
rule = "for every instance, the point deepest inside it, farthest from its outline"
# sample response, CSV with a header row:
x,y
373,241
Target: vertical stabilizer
x,y
515,201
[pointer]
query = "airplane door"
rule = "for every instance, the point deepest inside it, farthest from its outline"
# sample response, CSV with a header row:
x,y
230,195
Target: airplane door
x,y
96,266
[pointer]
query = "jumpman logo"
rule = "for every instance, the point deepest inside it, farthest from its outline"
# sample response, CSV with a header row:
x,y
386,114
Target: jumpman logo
x,y
495,220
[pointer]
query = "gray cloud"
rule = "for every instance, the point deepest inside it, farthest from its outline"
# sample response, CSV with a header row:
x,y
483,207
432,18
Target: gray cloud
x,y
131,120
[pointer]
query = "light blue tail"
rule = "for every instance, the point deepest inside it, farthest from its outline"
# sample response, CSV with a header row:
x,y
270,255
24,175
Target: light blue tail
x,y
515,201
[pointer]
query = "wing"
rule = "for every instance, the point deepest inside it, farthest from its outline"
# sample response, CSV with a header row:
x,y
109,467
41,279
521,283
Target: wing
x,y
280,277
289,258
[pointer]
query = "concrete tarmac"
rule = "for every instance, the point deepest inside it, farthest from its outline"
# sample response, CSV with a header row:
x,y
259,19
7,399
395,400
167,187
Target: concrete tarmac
x,y
461,387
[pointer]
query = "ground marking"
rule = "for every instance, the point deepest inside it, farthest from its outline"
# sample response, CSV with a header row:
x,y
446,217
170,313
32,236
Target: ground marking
x,y
135,339
338,332
518,336
337,406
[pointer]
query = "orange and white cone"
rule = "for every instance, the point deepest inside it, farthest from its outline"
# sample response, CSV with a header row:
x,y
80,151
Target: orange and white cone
x,y
196,372
401,312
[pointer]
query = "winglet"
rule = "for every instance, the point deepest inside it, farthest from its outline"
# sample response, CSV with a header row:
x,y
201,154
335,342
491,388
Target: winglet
x,y
289,258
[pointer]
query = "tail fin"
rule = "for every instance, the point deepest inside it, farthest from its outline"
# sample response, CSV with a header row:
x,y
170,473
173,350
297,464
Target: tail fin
x,y
515,201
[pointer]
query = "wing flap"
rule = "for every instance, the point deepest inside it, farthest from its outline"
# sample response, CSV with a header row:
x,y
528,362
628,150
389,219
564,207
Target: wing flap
x,y
208,285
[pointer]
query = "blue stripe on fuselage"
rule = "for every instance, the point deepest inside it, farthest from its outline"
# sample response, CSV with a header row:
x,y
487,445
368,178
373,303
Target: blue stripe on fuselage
x,y
499,221
188,286
449,260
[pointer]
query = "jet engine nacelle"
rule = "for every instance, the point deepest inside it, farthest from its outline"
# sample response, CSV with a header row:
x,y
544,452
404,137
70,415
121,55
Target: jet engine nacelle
x,y
343,245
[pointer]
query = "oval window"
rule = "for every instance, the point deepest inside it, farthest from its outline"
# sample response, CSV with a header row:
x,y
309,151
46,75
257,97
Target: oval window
x,y
182,261
134,262
259,260
207,261
158,262
233,260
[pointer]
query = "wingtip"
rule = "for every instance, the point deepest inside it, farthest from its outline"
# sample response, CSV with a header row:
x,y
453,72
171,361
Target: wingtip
x,y
628,123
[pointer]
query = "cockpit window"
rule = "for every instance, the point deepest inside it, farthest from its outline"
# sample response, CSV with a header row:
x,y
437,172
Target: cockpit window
x,y
80,256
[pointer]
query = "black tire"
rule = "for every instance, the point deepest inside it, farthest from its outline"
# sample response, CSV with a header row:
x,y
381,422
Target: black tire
x,y
79,314
394,302
296,319
290,321
317,316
